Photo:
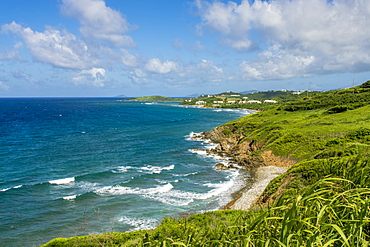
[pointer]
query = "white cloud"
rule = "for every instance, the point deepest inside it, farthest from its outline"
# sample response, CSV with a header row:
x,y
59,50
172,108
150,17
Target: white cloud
x,y
155,65
175,73
128,59
94,76
61,49
302,37
99,21
138,76
3,86
276,63
203,72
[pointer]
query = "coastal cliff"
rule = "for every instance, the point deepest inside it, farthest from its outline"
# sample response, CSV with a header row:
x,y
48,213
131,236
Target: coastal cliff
x,y
248,154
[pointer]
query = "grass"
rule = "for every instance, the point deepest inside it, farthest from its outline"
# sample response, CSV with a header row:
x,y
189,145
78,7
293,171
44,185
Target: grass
x,y
323,200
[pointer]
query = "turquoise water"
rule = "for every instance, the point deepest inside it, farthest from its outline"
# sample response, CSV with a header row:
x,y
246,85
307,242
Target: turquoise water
x,y
72,166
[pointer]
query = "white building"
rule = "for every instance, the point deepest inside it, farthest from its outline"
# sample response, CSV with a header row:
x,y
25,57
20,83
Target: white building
x,y
201,102
270,101
254,102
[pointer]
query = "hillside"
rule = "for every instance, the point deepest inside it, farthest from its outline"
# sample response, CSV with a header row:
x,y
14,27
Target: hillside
x,y
254,100
155,99
322,200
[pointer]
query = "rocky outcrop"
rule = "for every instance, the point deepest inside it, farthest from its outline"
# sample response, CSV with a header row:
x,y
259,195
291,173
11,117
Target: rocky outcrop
x,y
248,154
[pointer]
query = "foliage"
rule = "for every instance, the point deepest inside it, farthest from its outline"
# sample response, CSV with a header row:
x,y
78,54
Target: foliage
x,y
339,100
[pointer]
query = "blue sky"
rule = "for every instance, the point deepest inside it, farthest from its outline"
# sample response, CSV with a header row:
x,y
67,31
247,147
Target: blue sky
x,y
178,47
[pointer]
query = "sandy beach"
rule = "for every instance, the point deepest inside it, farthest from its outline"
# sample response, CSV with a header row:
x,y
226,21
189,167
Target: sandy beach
x,y
248,195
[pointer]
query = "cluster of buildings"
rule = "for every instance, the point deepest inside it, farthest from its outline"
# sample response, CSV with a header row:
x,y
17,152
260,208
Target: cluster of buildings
x,y
231,102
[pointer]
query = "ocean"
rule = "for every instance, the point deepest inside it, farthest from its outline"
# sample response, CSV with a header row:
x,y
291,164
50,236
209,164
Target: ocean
x,y
76,166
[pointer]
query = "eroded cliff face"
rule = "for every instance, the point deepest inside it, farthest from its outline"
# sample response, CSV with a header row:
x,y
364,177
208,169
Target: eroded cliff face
x,y
248,154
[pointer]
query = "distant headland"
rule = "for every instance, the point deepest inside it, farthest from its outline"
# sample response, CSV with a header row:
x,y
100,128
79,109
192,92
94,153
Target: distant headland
x,y
154,98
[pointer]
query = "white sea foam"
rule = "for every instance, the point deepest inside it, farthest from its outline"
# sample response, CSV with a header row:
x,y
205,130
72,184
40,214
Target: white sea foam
x,y
87,186
120,190
240,111
210,145
70,197
198,151
184,175
170,199
15,187
163,194
156,169
139,223
62,181
122,169
221,188
193,136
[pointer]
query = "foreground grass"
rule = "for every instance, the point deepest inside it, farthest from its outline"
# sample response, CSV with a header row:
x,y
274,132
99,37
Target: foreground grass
x,y
323,200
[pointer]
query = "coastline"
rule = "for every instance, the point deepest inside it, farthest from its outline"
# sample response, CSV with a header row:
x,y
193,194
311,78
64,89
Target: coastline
x,y
247,196
233,155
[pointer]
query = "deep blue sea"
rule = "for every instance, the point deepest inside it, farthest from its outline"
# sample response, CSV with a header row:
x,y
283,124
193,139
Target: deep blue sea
x,y
72,166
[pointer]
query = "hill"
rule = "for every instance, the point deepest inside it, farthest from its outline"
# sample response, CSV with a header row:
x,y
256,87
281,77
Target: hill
x,y
253,100
322,200
154,98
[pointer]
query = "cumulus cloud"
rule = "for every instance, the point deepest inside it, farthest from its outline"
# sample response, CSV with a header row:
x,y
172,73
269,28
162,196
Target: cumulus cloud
x,y
128,59
61,49
276,63
95,77
155,65
178,73
203,72
302,37
98,21
138,76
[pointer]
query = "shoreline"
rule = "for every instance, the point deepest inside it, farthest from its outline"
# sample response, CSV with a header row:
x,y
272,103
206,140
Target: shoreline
x,y
249,194
260,174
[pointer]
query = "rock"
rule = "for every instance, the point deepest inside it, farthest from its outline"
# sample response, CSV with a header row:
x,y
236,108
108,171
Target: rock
x,y
221,167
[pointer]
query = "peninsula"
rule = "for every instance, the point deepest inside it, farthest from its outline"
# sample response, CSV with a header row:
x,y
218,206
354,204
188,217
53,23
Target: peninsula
x,y
155,99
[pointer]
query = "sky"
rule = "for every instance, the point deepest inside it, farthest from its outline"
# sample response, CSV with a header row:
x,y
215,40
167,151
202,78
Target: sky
x,y
104,48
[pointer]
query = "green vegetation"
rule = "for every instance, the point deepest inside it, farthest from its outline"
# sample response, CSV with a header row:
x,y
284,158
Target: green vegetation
x,y
154,98
239,100
323,200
